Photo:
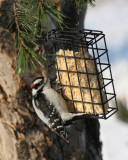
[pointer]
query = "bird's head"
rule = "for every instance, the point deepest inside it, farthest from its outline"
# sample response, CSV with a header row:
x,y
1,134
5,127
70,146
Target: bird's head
x,y
38,84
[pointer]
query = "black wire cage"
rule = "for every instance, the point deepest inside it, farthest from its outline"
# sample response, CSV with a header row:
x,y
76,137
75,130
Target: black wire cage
x,y
79,69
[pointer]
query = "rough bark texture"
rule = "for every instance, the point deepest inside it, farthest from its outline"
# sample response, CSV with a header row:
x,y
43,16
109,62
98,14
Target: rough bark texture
x,y
22,135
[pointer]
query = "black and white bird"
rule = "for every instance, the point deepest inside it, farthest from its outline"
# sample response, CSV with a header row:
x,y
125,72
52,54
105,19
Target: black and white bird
x,y
51,107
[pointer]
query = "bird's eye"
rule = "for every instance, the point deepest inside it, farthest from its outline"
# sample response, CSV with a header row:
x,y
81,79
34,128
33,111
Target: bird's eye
x,y
36,86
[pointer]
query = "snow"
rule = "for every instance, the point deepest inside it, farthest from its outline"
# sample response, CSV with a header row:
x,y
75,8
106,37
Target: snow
x,y
110,17
114,135
120,75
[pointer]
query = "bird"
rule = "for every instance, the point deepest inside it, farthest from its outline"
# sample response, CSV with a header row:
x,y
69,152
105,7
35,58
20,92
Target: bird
x,y
51,107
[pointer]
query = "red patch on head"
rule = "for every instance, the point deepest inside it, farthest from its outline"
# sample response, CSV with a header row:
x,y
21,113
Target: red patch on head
x,y
32,85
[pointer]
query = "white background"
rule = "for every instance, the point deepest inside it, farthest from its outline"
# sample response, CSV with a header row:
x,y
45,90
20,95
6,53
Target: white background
x,y
111,17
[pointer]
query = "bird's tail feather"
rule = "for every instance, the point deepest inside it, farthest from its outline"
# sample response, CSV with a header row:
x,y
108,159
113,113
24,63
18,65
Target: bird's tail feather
x,y
62,133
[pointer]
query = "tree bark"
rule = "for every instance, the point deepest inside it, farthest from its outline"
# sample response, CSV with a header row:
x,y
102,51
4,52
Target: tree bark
x,y
23,136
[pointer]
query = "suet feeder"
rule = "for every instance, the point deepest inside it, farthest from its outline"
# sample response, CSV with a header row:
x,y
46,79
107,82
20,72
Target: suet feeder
x,y
79,69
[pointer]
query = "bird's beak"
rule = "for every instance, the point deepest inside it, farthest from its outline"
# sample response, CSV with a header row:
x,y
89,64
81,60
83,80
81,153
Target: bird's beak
x,y
31,85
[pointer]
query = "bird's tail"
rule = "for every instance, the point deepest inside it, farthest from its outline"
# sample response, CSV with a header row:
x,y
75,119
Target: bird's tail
x,y
62,133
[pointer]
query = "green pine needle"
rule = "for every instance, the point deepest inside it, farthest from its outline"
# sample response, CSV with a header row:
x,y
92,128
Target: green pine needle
x,y
80,4
31,18
91,2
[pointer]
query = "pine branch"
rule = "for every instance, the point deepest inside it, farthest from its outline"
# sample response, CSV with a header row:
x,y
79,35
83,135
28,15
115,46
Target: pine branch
x,y
26,55
26,23
16,21
82,3
31,19
91,2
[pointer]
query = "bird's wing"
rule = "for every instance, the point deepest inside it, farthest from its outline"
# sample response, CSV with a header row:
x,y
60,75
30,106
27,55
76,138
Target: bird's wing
x,y
55,121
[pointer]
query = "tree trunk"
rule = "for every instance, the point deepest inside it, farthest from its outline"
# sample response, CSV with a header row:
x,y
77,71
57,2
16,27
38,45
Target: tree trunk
x,y
22,135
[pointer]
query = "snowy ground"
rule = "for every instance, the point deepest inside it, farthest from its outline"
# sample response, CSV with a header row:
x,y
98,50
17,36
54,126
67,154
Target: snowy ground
x,y
110,16
114,135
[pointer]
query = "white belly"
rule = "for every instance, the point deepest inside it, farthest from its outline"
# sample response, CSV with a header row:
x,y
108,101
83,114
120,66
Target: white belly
x,y
40,114
56,100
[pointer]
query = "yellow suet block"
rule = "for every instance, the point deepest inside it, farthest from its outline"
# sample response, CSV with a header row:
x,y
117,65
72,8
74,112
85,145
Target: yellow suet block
x,y
80,79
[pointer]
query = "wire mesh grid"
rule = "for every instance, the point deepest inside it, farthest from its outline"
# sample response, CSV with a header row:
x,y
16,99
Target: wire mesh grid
x,y
71,54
